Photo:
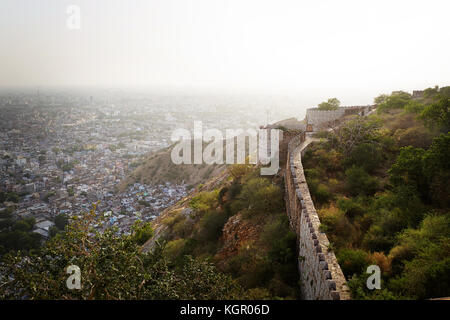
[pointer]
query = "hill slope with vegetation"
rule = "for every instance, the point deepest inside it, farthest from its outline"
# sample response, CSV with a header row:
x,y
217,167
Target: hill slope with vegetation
x,y
241,227
381,189
158,168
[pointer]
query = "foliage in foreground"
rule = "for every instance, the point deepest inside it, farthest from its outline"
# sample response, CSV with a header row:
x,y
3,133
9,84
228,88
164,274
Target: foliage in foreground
x,y
112,267
263,259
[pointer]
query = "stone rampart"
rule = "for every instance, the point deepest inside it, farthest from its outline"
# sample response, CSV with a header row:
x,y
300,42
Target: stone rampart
x,y
317,120
321,277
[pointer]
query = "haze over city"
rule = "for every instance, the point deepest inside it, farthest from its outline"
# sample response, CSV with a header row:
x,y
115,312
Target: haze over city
x,y
351,49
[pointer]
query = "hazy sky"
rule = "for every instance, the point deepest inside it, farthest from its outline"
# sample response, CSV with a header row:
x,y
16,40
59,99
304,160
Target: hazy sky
x,y
331,48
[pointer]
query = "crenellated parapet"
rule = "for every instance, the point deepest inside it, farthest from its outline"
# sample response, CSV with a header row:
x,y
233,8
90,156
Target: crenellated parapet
x,y
321,277
317,119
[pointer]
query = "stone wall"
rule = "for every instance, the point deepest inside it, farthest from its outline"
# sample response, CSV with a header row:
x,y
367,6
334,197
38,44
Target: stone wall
x,y
323,119
321,277
315,116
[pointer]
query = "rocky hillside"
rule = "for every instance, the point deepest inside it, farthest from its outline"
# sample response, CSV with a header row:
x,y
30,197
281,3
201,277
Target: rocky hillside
x,y
237,221
158,168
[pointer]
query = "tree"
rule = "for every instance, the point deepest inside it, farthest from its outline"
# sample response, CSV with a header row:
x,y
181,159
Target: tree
x,y
359,182
142,232
380,99
112,267
431,92
408,170
61,221
261,196
427,171
355,132
70,192
366,155
414,106
436,167
423,255
353,261
330,104
397,100
438,114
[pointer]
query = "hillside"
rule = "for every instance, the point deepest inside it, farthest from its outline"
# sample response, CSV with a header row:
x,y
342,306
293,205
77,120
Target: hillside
x,y
236,221
158,168
239,222
380,186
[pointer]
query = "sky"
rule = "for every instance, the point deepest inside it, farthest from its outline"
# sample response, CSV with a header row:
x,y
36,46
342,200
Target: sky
x,y
349,49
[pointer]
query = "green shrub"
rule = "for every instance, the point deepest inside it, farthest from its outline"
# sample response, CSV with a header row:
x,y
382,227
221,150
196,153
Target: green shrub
x,y
365,155
211,225
414,106
142,232
353,261
261,196
322,194
205,201
397,100
350,207
61,221
437,115
424,257
359,182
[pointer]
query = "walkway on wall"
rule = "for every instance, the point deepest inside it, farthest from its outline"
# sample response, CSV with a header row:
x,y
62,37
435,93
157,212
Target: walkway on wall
x,y
321,277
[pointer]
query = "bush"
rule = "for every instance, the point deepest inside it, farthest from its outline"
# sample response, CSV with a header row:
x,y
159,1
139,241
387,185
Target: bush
x,y
182,227
205,201
414,106
353,261
174,249
281,241
328,160
338,228
61,221
438,115
418,137
365,155
408,168
322,194
261,196
359,182
425,255
436,167
211,225
350,207
142,232
397,100
381,235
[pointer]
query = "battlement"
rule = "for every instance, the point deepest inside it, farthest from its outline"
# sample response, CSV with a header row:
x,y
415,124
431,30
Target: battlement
x,y
321,277
322,119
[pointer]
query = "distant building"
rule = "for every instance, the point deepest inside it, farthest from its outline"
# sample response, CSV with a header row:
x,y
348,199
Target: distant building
x,y
317,119
29,188
43,228
417,94
21,161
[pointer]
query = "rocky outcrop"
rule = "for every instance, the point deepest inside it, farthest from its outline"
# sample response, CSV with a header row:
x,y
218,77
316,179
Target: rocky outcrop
x,y
237,232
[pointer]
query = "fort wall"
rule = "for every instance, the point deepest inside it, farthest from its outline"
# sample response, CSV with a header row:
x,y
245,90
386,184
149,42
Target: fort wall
x,y
321,277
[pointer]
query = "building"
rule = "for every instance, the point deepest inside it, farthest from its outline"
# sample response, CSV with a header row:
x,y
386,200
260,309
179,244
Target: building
x,y
417,94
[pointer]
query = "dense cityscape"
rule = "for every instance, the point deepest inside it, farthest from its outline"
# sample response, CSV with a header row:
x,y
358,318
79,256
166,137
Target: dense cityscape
x,y
60,153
